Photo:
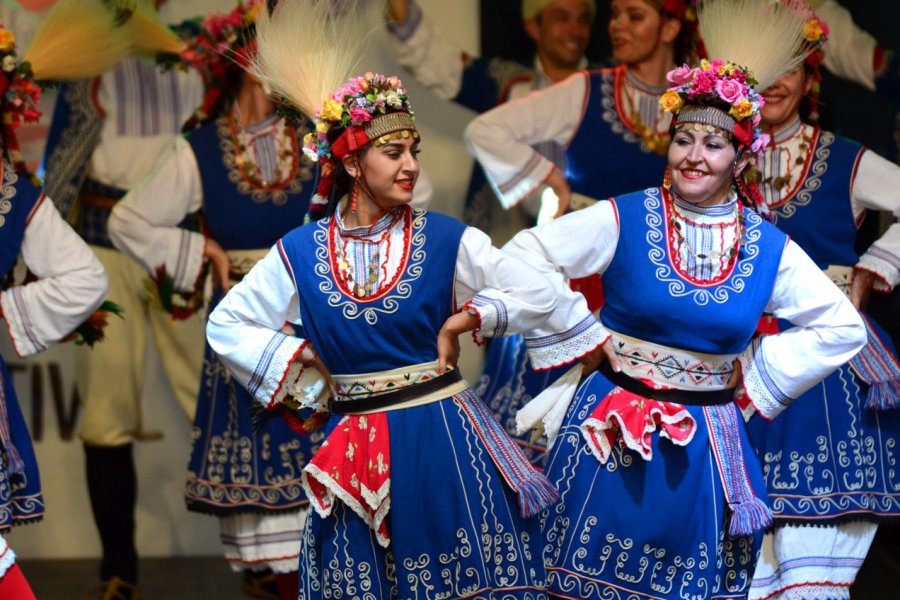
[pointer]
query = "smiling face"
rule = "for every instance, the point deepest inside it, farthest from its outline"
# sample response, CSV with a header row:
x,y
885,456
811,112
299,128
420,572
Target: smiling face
x,y
390,171
562,32
783,99
638,31
702,166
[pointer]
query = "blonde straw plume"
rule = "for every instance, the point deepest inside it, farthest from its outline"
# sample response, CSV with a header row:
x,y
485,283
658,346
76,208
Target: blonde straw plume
x,y
766,36
307,48
148,34
77,39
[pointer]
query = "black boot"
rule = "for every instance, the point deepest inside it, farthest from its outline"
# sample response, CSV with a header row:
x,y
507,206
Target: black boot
x,y
112,486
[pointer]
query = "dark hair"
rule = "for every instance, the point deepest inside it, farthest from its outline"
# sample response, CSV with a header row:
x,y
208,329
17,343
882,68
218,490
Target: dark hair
x,y
343,182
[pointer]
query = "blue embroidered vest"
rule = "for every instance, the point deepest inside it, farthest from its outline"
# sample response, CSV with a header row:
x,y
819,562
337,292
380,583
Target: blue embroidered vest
x,y
647,298
241,214
818,215
18,196
605,158
395,328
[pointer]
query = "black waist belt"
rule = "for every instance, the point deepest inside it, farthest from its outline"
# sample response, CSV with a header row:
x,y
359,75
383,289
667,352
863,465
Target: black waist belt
x,y
381,401
687,397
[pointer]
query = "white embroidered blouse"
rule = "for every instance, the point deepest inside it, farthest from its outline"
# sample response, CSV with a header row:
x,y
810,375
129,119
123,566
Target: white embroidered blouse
x,y
71,283
507,295
828,330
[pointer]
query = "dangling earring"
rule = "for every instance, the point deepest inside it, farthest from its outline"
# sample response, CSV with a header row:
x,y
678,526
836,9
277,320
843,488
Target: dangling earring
x,y
667,179
353,201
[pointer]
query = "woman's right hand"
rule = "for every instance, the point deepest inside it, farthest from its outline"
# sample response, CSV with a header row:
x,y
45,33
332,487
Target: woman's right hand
x,y
595,357
309,357
221,264
556,181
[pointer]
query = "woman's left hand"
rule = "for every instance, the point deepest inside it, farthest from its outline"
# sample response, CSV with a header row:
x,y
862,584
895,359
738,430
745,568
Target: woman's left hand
x,y
448,338
861,288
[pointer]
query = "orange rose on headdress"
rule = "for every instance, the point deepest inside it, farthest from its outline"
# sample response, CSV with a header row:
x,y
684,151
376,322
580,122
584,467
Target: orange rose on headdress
x,y
742,109
671,101
7,40
813,31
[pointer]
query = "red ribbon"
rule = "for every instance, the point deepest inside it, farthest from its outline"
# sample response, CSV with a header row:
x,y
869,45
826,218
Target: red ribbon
x,y
351,140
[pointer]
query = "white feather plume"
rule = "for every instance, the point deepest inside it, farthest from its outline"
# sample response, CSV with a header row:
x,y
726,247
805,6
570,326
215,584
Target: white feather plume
x,y
766,36
308,48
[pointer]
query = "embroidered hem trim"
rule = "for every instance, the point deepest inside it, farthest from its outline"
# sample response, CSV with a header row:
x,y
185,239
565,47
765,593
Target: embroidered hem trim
x,y
379,501
825,590
550,351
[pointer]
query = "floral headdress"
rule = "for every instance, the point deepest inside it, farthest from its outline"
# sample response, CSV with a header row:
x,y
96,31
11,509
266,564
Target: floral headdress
x,y
225,42
717,95
372,108
763,40
307,49
19,96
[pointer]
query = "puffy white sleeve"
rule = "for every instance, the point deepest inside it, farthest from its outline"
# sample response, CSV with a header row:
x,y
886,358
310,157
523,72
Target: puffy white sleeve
x,y
506,294
245,331
877,187
71,283
827,333
577,245
849,51
433,61
502,138
144,224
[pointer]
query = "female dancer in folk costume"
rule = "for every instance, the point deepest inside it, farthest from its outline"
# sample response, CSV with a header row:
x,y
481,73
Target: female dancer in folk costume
x,y
604,119
827,461
243,167
688,272
70,285
382,292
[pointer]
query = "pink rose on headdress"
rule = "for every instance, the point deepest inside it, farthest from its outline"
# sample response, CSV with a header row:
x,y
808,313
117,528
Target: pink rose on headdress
x,y
705,82
359,115
730,91
679,75
760,143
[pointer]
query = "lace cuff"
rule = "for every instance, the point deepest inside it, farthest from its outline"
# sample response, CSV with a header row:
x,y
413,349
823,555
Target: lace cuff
x,y
884,265
492,317
550,351
760,388
278,370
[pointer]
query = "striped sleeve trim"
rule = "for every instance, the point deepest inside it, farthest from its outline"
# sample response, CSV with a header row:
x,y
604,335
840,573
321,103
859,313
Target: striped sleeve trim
x,y
493,318
761,388
18,321
532,175
275,367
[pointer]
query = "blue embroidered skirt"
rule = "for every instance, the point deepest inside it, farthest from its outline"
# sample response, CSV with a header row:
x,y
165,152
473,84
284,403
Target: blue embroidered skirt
x,y
21,500
633,528
454,522
509,383
234,468
828,457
